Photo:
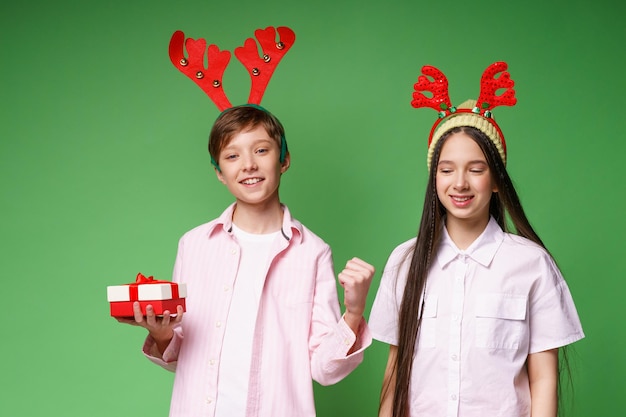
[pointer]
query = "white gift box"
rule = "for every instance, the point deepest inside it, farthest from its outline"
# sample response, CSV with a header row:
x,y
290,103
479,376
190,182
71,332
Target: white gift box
x,y
146,292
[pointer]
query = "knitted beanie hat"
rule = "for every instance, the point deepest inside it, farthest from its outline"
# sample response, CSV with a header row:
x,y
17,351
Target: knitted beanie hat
x,y
472,113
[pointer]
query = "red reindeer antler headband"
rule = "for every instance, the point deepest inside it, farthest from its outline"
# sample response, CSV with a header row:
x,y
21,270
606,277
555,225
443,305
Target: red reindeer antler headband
x,y
260,67
471,113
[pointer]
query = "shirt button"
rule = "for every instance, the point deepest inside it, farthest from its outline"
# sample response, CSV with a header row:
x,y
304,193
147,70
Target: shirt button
x,y
226,288
209,400
453,397
218,324
212,362
234,251
454,357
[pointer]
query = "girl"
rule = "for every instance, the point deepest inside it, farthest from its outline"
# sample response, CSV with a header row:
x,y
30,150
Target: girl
x,y
473,314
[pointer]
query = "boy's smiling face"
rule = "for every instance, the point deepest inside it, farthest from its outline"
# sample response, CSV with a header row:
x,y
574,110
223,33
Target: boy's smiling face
x,y
250,167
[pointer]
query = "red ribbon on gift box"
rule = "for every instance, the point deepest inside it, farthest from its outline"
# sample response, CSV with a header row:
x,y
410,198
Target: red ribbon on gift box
x,y
142,279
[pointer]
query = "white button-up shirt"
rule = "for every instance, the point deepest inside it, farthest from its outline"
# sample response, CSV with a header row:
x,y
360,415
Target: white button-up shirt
x,y
485,310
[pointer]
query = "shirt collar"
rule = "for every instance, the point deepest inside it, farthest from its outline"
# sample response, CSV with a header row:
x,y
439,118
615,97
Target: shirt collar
x,y
482,250
291,227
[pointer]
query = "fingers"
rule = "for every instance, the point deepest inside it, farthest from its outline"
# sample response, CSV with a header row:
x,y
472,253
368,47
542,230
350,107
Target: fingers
x,y
355,279
151,321
359,263
179,314
356,271
151,318
137,312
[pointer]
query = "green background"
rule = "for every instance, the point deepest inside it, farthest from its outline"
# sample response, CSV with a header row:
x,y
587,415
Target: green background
x,y
103,166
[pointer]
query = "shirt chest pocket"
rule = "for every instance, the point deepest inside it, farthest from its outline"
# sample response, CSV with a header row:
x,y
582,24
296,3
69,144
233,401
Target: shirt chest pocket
x,y
500,320
428,328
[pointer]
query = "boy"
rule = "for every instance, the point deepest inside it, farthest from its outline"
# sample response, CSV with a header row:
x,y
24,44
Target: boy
x,y
263,314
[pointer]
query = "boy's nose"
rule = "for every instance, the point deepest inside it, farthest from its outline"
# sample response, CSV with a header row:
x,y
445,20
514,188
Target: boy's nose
x,y
249,162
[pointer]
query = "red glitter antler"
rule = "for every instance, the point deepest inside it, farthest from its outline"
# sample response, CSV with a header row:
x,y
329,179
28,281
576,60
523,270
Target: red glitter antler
x,y
209,79
261,68
489,85
440,101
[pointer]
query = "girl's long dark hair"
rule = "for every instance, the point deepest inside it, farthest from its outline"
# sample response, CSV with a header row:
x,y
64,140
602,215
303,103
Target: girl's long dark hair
x,y
504,202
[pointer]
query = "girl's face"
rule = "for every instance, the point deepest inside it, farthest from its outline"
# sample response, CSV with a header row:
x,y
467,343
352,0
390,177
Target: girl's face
x,y
463,180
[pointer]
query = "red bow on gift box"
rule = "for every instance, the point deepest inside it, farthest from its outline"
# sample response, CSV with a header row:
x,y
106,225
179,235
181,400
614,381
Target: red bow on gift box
x,y
142,279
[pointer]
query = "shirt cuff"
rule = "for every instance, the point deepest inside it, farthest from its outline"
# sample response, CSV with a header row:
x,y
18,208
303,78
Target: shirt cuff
x,y
171,352
358,342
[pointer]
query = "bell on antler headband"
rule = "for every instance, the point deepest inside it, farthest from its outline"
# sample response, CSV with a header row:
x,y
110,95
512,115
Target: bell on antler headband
x,y
260,67
471,113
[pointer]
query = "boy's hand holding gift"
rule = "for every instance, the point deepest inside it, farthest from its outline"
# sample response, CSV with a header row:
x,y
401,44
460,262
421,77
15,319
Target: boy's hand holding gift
x,y
355,279
162,296
157,306
161,328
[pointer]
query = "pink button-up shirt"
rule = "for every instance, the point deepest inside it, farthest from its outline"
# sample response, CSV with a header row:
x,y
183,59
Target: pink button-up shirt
x,y
299,333
486,309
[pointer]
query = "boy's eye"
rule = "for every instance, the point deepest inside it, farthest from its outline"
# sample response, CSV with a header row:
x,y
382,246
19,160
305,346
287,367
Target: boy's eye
x,y
262,150
231,156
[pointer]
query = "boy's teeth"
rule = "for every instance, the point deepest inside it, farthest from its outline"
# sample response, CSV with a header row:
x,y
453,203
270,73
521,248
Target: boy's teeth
x,y
460,198
251,181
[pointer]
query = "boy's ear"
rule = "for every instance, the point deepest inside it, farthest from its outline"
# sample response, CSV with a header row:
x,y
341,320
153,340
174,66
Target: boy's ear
x,y
284,166
219,175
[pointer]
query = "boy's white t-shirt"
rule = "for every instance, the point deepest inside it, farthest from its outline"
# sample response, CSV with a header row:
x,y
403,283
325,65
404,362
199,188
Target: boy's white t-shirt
x,y
234,367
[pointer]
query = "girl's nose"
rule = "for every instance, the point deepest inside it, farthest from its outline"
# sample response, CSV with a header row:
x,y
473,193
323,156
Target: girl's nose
x,y
460,182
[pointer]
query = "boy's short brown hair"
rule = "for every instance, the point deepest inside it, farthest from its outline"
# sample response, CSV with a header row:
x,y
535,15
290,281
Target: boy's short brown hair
x,y
240,118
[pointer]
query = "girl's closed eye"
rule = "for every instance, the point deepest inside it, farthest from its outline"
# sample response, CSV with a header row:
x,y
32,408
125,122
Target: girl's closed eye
x,y
478,168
